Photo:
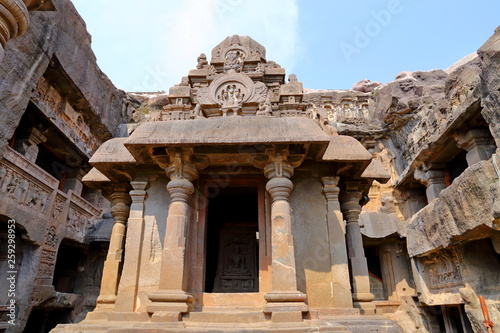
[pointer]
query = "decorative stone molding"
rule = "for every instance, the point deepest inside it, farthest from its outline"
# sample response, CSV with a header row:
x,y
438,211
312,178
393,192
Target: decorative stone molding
x,y
232,90
330,188
33,190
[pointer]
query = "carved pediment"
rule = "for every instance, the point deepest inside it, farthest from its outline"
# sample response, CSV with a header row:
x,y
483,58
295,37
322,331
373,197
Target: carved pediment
x,y
232,90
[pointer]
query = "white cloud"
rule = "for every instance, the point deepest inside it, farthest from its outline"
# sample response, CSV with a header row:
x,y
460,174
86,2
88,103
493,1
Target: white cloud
x,y
152,46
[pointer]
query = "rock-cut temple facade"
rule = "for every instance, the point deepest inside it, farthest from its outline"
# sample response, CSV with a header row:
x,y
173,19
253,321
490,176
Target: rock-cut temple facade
x,y
241,201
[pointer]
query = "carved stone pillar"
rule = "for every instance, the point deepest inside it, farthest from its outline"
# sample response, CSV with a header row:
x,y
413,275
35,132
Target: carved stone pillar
x,y
127,298
362,297
27,143
479,144
74,181
341,290
120,201
172,299
13,21
284,301
433,178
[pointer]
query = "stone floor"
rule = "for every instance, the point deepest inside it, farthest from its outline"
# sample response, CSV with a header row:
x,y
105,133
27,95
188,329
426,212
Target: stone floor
x,y
252,322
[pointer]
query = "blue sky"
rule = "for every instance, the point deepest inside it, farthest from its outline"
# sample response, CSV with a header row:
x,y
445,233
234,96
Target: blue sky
x,y
328,44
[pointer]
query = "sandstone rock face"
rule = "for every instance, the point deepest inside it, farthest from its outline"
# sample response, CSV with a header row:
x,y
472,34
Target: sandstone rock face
x,y
419,107
489,55
389,185
474,311
365,85
55,102
60,34
463,211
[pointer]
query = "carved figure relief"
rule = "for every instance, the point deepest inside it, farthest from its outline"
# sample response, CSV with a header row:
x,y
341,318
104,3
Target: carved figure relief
x,y
231,94
443,270
231,91
3,173
264,108
11,187
234,60
202,61
57,209
51,237
77,222
237,263
47,263
198,112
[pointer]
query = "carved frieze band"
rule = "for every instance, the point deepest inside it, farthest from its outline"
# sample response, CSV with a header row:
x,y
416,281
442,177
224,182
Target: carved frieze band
x,y
32,190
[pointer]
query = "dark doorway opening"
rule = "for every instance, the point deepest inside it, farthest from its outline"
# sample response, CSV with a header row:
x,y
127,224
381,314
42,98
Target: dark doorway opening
x,y
375,271
456,167
44,320
66,274
232,240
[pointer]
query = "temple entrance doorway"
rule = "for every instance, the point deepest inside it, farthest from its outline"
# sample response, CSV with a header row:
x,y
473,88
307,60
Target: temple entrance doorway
x,y
232,240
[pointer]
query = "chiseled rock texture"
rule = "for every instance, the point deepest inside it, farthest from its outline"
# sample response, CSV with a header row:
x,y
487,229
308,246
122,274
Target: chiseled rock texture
x,y
474,312
365,85
463,211
489,55
61,34
417,108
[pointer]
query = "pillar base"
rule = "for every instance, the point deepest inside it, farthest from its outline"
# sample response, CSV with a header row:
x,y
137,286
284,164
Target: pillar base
x,y
169,301
106,299
285,301
364,302
365,308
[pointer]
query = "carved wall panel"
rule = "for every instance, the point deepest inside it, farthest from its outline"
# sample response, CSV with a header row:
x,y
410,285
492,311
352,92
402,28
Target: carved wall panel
x,y
232,91
36,192
443,270
237,261
71,122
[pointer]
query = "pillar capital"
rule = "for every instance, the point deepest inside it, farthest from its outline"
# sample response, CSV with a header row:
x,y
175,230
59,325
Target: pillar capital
x,y
473,137
138,194
330,188
278,164
349,202
279,188
120,205
180,166
433,177
180,189
478,143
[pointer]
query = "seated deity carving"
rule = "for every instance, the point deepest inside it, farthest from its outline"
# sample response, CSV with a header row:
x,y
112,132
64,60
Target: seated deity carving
x,y
202,61
234,60
237,264
264,108
11,188
230,96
